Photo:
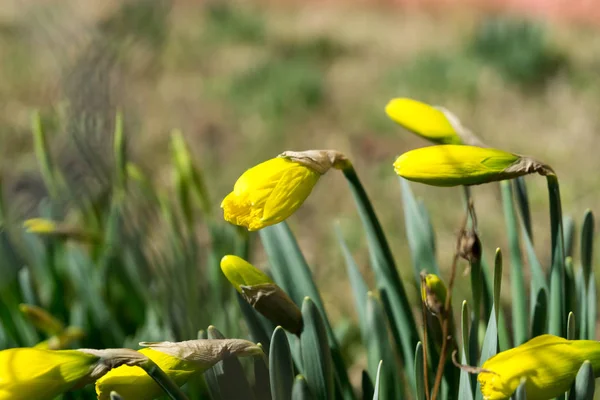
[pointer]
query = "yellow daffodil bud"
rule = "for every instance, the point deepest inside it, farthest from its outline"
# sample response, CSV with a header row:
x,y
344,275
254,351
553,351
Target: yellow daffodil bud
x,y
433,293
261,293
424,120
273,190
40,226
240,272
547,363
30,373
452,165
43,226
179,360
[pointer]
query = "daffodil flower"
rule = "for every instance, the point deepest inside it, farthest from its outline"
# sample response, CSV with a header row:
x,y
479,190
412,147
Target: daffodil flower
x,y
452,165
31,373
429,122
548,364
179,360
262,294
273,190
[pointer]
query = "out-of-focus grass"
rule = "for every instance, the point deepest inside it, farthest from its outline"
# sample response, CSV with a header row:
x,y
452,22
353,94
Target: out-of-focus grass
x,y
244,82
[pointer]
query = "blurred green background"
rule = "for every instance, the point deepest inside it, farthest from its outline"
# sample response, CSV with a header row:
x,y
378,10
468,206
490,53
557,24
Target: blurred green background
x,y
245,81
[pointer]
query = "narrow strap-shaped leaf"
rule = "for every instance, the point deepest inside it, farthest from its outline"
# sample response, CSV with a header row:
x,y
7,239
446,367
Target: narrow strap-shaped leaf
x,y
569,234
281,367
587,244
290,270
261,387
517,284
592,307
584,383
539,322
377,388
420,378
386,273
583,277
490,340
379,348
523,205
227,371
557,315
357,282
301,391
465,390
418,235
571,334
317,365
520,393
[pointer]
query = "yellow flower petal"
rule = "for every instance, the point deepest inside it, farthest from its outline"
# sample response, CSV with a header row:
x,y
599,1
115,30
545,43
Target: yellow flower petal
x,y
179,360
133,383
548,363
269,193
422,119
452,165
28,373
239,272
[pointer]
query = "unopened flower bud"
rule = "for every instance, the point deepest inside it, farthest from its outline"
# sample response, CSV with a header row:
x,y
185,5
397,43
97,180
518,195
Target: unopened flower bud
x,y
452,165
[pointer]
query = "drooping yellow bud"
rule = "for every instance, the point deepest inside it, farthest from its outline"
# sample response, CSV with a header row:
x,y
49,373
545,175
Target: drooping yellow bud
x,y
452,165
262,294
240,272
273,190
424,120
40,226
433,293
547,363
179,360
30,373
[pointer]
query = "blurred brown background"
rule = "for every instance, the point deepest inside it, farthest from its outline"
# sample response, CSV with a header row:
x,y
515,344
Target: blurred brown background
x,y
245,81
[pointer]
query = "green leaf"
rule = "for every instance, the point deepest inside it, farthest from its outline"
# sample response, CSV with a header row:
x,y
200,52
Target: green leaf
x,y
584,383
220,377
571,335
539,322
592,307
465,391
418,235
301,391
523,205
376,389
261,387
587,244
520,393
583,274
357,282
380,349
519,306
557,315
281,371
316,358
490,340
291,272
420,383
386,273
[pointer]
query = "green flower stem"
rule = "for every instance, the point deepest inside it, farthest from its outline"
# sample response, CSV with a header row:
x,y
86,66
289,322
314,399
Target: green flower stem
x,y
163,380
386,272
557,316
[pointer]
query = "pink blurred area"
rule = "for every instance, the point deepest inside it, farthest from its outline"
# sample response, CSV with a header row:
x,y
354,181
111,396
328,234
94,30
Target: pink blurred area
x,y
569,11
